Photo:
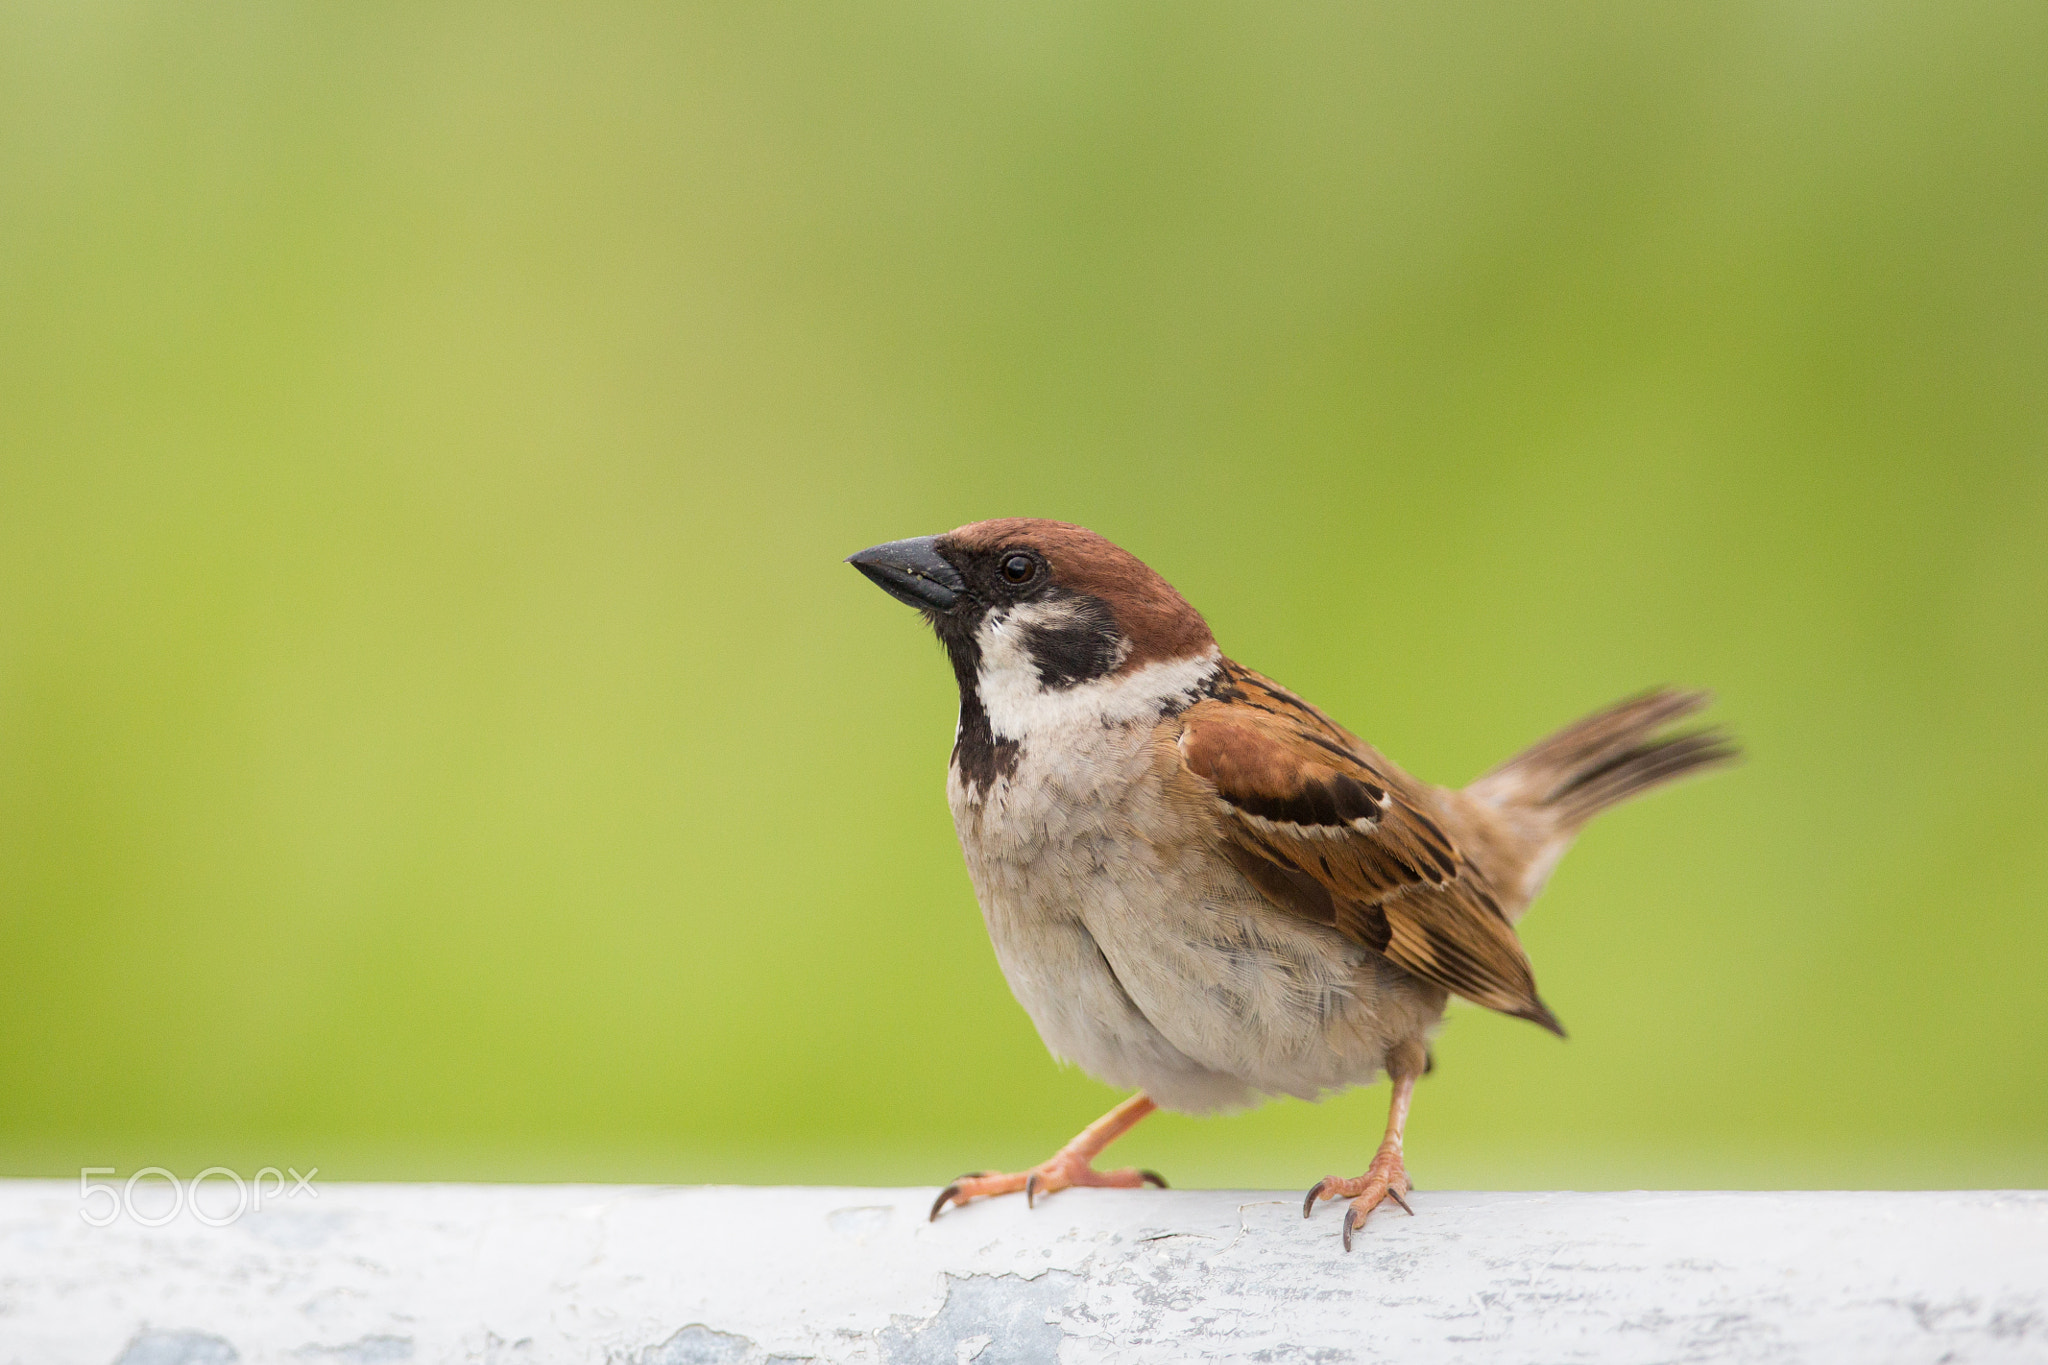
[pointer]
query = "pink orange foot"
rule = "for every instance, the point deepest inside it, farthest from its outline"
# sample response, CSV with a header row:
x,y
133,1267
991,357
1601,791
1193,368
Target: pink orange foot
x,y
1047,1177
1385,1179
1073,1164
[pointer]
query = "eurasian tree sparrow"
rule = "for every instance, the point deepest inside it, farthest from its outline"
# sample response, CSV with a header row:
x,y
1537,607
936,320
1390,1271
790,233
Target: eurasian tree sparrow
x,y
1202,888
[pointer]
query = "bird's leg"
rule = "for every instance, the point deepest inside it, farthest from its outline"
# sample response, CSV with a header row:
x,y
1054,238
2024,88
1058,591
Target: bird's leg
x,y
1068,1166
1386,1178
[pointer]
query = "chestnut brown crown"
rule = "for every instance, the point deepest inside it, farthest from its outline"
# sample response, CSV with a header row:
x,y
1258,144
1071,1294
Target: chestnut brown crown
x,y
1016,560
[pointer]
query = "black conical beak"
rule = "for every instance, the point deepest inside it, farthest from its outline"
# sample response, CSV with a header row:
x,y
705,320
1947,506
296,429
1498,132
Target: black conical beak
x,y
911,571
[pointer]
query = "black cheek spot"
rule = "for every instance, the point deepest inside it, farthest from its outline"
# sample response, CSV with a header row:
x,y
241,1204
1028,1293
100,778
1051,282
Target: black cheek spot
x,y
1081,647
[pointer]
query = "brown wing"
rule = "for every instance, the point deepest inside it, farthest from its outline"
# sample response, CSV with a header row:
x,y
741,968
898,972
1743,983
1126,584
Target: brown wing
x,y
1327,828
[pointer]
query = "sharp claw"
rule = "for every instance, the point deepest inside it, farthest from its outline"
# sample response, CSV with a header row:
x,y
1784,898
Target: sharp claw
x,y
972,1175
1308,1204
1153,1178
1350,1222
1395,1195
940,1202
1031,1190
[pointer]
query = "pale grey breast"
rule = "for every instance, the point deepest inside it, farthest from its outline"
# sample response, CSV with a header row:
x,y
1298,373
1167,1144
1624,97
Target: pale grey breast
x,y
1142,955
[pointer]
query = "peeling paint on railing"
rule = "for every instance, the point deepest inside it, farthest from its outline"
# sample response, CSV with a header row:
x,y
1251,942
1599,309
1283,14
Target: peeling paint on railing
x,y
377,1274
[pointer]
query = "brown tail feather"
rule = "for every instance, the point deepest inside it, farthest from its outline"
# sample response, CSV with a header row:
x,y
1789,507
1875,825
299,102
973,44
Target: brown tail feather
x,y
1608,758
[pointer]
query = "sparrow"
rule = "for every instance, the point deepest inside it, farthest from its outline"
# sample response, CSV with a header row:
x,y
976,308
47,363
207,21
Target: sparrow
x,y
1199,886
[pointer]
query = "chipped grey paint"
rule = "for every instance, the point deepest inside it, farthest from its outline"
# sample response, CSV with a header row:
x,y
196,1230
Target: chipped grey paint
x,y
997,1319
177,1348
587,1275
698,1345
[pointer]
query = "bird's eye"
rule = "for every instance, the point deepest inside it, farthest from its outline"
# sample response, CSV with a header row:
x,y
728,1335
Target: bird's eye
x,y
1018,568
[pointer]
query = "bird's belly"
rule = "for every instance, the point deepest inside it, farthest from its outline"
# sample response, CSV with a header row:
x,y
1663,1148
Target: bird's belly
x,y
1153,963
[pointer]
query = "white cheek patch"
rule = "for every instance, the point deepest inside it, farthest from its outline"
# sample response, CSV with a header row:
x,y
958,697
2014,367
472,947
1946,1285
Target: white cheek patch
x,y
1019,706
1001,641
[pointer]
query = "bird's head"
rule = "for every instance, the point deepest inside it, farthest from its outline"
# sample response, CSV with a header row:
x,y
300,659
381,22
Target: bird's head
x,y
1030,611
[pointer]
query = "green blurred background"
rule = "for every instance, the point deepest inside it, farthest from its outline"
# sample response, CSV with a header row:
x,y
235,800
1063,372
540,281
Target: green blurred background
x,y
438,737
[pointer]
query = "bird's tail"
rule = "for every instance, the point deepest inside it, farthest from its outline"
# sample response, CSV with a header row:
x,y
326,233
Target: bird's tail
x,y
1607,758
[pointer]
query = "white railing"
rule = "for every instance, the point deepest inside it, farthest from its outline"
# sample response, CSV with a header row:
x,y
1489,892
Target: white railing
x,y
362,1274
